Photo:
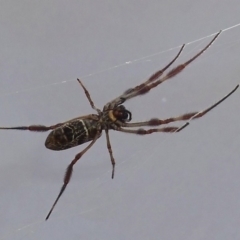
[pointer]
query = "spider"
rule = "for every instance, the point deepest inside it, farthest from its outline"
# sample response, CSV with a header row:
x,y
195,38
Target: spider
x,y
114,116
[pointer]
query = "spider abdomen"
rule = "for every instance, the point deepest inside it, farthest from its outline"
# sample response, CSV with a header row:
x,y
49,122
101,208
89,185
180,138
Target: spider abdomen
x,y
71,134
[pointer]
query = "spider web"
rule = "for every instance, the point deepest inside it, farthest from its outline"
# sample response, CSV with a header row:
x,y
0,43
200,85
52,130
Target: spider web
x,y
97,185
144,58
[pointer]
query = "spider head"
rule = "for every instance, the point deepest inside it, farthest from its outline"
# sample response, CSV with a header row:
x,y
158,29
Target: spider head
x,y
120,113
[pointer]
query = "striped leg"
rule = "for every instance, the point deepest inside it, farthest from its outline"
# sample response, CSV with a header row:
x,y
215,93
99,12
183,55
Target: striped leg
x,y
33,128
89,97
42,128
110,152
188,116
155,79
69,171
142,131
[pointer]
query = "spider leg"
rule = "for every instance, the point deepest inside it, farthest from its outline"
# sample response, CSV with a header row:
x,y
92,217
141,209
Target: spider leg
x,y
34,128
110,152
88,96
142,131
69,171
170,74
155,76
42,128
202,113
148,85
187,116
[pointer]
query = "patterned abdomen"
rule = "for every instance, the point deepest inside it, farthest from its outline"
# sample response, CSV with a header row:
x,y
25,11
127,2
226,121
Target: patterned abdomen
x,y
71,134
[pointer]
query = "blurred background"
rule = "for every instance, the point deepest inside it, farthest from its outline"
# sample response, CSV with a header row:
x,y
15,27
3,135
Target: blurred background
x,y
166,186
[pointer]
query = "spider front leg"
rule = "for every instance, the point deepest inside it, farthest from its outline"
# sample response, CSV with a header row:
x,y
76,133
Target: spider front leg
x,y
156,78
156,75
69,171
122,98
142,131
172,73
188,116
202,113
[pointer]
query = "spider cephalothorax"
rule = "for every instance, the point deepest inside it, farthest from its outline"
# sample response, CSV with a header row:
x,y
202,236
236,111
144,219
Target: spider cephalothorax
x,y
116,117
120,114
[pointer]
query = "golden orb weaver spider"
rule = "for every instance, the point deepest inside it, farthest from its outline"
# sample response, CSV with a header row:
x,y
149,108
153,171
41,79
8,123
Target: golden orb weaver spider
x,y
114,116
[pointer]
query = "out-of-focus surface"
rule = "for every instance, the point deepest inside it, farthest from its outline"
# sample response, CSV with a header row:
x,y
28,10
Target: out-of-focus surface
x,y
166,186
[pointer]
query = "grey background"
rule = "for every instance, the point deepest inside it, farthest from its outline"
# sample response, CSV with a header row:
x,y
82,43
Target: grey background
x,y
183,186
